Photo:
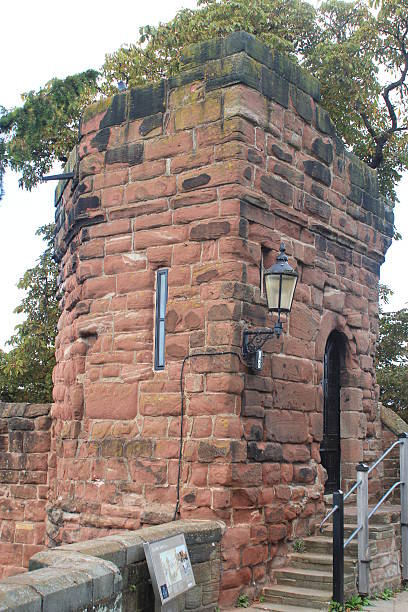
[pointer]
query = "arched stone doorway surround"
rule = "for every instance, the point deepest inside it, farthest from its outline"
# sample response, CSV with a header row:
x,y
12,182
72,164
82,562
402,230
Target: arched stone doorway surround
x,y
353,420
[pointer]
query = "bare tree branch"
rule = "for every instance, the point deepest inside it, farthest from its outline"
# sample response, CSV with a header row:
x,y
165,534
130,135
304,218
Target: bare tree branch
x,y
381,138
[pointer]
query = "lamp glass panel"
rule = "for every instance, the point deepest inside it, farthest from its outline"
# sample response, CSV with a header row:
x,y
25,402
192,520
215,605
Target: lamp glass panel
x,y
272,290
288,289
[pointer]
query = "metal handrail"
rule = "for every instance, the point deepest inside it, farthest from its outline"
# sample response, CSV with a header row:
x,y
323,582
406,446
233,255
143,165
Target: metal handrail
x,y
353,488
335,508
373,511
397,443
326,518
355,532
384,497
363,518
357,484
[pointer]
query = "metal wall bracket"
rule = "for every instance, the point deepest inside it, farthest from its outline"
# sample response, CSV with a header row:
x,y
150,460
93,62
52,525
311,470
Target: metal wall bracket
x,y
252,343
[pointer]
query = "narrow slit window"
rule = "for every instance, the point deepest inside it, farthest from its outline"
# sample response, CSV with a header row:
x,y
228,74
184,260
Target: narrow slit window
x,y
160,330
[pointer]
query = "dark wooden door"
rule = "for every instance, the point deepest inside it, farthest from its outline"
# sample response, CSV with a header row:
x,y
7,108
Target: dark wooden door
x,y
330,447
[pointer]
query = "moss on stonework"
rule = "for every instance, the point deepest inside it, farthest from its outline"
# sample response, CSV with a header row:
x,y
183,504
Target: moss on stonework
x,y
96,108
198,54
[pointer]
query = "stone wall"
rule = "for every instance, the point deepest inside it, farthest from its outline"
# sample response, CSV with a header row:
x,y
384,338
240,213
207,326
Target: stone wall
x,y
111,573
393,426
204,174
25,441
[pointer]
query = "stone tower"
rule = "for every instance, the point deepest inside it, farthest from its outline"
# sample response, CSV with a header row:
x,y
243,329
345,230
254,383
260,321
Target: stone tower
x,y
200,177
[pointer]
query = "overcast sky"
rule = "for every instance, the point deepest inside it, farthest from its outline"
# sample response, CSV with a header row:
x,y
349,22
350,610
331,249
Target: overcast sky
x,y
40,40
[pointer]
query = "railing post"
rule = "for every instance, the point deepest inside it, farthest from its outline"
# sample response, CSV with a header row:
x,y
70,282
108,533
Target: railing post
x,y
404,503
338,548
363,538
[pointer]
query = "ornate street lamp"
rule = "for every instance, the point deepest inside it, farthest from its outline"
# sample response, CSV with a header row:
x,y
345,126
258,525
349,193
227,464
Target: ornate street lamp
x,y
280,284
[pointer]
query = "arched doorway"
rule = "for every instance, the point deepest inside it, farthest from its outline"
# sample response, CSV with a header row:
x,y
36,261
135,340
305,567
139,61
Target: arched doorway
x,y
330,447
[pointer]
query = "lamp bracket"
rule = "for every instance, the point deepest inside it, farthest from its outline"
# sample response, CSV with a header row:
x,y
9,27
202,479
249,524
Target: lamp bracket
x,y
254,340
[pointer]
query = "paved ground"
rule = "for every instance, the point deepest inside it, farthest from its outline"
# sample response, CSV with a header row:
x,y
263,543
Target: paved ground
x,y
396,604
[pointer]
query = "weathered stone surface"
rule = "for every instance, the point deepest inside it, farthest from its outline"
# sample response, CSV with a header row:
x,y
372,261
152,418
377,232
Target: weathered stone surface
x,y
197,181
323,150
146,101
317,171
317,207
131,154
281,154
286,426
277,188
150,123
302,104
116,112
264,451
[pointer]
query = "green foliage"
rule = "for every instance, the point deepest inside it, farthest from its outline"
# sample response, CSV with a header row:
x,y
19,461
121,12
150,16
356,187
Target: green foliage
x,y
45,128
26,370
392,358
387,594
287,25
355,602
299,545
243,601
335,606
356,49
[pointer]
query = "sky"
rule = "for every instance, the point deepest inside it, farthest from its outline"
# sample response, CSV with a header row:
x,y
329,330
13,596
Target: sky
x,y
57,40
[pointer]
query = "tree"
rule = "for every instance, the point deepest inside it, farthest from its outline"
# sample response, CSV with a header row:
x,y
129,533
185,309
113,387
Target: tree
x,y
45,128
357,50
392,358
26,370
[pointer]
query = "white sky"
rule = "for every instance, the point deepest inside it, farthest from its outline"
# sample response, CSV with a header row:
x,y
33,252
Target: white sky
x,y
40,40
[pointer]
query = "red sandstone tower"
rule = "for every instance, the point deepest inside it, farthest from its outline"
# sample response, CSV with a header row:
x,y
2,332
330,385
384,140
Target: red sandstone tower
x,y
182,193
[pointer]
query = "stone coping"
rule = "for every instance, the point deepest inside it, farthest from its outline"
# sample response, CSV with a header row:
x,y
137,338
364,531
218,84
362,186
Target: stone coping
x,y
90,575
22,410
391,420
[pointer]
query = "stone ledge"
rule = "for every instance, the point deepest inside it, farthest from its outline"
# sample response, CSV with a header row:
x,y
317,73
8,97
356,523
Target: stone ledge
x,y
127,547
93,574
68,582
391,420
22,410
199,53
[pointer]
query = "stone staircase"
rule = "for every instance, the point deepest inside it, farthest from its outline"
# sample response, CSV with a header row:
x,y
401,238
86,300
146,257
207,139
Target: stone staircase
x,y
306,582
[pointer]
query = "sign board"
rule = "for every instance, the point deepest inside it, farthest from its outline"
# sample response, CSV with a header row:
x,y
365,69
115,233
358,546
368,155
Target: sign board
x,y
170,567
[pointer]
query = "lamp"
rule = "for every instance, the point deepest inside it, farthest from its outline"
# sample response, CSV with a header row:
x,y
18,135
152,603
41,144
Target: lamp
x,y
280,284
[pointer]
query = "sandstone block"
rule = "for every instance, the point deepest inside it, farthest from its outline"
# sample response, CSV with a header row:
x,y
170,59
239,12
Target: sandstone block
x,y
286,426
111,400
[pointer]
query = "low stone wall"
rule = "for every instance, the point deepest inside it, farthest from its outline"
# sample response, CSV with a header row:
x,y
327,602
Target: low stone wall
x,y
25,441
393,426
111,573
385,560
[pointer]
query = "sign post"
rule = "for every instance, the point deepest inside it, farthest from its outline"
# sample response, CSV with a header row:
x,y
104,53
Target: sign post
x,y
170,570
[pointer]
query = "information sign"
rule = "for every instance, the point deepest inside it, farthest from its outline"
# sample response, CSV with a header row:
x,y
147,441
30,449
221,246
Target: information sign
x,y
170,568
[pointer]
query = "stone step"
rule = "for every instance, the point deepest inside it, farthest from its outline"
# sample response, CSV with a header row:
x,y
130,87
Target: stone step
x,y
297,596
318,561
379,531
306,578
273,607
324,544
385,514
